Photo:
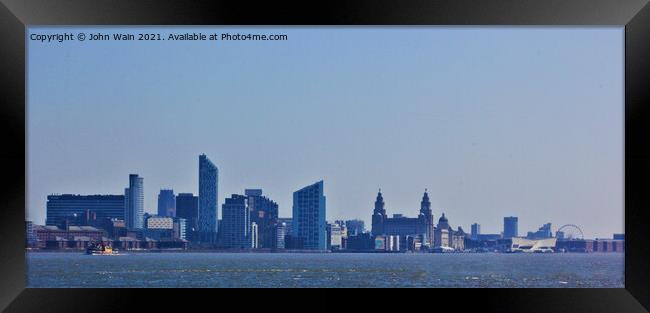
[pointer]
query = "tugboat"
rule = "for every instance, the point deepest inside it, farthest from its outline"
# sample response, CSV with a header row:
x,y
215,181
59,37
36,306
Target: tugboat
x,y
100,249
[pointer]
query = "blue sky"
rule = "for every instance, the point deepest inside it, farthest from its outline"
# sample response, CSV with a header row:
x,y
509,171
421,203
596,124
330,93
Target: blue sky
x,y
494,121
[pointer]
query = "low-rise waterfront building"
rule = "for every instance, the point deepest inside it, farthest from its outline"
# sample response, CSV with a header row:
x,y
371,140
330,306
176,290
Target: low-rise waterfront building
x,y
45,233
597,245
335,235
360,242
159,222
114,228
545,245
447,237
387,243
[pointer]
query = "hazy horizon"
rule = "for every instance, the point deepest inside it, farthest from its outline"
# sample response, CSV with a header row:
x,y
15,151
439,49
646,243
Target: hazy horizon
x,y
494,121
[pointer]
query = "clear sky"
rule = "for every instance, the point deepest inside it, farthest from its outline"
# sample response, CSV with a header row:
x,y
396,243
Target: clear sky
x,y
494,121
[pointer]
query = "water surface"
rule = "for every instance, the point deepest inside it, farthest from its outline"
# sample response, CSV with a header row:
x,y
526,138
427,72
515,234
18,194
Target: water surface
x,y
53,269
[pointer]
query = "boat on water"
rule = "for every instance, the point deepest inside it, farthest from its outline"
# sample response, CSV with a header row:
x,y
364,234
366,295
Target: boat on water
x,y
100,249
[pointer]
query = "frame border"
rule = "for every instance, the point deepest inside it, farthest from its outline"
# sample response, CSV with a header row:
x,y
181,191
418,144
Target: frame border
x,y
16,16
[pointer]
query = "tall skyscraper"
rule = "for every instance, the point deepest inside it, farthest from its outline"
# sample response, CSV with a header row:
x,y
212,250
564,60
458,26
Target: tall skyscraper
x,y
134,202
67,206
236,223
208,199
309,224
187,207
264,213
167,203
510,227
475,231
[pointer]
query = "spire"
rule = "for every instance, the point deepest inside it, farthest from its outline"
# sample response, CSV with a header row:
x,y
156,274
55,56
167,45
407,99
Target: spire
x,y
379,203
425,205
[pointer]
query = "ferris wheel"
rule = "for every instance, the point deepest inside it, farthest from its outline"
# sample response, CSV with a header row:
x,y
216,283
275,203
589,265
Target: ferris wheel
x,y
571,231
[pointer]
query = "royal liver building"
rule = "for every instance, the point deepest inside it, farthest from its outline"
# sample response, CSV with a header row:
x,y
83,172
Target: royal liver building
x,y
420,228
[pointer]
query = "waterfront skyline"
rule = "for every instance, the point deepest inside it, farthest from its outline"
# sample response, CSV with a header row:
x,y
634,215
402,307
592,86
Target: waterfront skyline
x,y
490,134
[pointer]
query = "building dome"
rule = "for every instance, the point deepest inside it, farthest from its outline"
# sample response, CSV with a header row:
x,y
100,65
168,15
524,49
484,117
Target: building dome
x,y
443,219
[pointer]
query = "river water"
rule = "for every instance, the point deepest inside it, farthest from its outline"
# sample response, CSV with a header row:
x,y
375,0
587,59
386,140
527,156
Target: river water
x,y
53,269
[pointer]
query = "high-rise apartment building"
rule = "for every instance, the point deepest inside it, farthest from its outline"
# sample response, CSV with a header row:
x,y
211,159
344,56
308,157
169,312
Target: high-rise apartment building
x,y
208,200
236,223
309,224
264,213
134,202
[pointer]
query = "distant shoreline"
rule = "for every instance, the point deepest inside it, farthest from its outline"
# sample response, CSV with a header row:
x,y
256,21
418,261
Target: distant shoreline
x,y
177,251
290,252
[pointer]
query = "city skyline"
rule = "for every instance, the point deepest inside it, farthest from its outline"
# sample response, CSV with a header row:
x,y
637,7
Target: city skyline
x,y
426,111
509,227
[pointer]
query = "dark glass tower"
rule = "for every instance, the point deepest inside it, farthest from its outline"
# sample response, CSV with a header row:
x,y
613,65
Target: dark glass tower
x,y
208,199
187,207
167,203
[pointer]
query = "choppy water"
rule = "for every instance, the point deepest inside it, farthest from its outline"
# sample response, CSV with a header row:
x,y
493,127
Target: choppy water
x,y
325,270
